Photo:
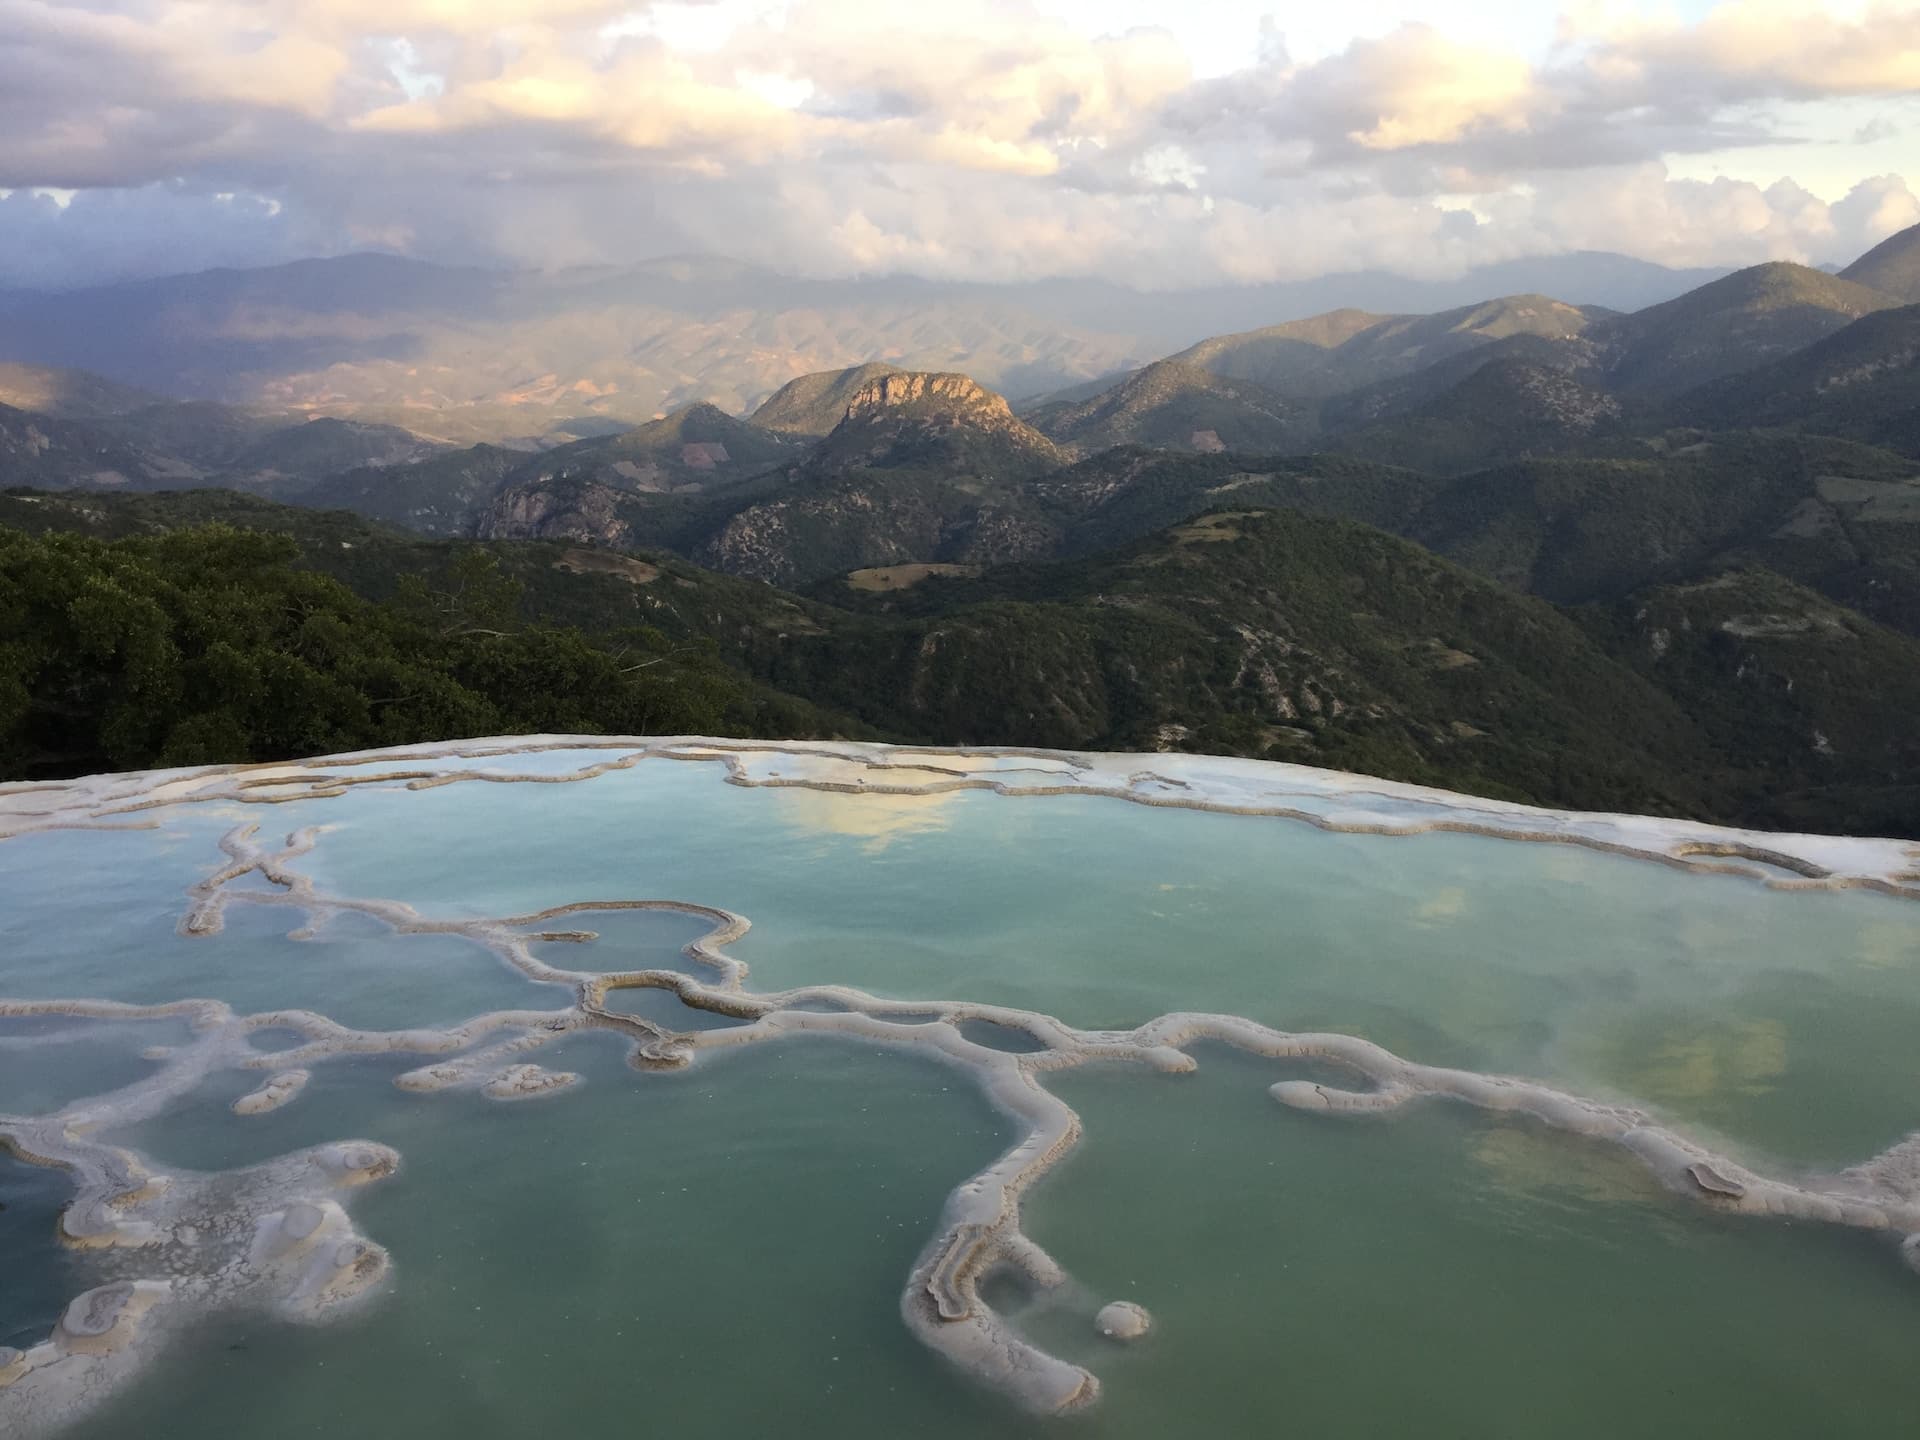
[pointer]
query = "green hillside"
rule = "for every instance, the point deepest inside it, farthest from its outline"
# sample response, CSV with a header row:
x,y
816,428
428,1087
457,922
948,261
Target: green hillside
x,y
1346,349
1503,410
1892,267
1733,324
1837,517
1274,633
1862,383
209,644
1175,406
438,497
38,449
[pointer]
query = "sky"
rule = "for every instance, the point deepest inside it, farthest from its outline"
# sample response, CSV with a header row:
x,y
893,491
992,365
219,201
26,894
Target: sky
x,y
1147,142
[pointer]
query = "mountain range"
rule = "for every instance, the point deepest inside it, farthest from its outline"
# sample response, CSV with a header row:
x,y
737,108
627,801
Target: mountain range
x,y
467,355
1665,557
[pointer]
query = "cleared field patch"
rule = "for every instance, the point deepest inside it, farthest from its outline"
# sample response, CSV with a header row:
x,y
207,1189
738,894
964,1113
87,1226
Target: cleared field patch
x,y
606,562
1212,529
904,577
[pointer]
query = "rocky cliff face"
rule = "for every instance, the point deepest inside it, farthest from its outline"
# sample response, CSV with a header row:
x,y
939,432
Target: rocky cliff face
x,y
581,511
939,422
836,528
810,406
949,391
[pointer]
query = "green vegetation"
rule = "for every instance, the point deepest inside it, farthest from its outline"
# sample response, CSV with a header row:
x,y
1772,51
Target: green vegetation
x,y
1731,324
1843,519
1504,409
1812,702
1525,564
209,645
1862,383
1328,355
1247,631
1892,267
1177,407
433,497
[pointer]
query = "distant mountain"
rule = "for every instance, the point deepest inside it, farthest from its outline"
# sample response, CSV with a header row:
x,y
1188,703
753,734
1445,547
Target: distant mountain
x,y
1365,367
486,488
1074,394
1299,357
700,447
921,467
208,437
1175,406
1617,283
44,450
323,446
1750,317
1403,394
1840,518
1892,267
439,497
467,355
68,394
813,404
1346,349
1503,410
924,467
1861,383
929,467
585,511
945,422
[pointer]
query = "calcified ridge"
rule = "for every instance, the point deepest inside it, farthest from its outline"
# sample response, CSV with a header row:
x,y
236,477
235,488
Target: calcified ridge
x,y
174,1246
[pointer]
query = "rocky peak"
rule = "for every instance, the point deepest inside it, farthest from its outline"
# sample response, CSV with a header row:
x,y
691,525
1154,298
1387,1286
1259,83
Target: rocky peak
x,y
934,421
945,391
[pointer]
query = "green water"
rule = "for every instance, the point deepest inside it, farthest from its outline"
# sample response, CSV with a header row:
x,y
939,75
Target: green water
x,y
716,1253
1446,1274
1779,1020
625,1254
720,1252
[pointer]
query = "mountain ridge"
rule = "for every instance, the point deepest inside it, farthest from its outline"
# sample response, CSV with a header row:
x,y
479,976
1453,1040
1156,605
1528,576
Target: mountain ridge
x,y
1175,406
468,355
1891,267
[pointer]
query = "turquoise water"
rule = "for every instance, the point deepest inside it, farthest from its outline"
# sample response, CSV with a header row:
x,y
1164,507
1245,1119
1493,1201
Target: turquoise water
x,y
719,1252
1776,1019
1446,1274
47,1062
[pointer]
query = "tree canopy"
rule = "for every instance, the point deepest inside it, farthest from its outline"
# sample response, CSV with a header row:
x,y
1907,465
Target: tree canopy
x,y
209,645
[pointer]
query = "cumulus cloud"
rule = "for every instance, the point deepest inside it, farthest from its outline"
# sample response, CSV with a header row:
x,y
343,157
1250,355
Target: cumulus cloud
x,y
1754,49
976,139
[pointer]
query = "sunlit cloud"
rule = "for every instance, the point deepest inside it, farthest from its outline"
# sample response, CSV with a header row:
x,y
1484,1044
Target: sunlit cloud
x,y
987,139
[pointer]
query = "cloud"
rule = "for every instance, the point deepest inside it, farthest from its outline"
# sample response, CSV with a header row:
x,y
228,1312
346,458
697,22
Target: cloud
x,y
1754,50
112,233
976,139
1874,209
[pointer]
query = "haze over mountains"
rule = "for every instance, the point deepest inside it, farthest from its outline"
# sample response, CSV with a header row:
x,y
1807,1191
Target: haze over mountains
x,y
1666,557
469,355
